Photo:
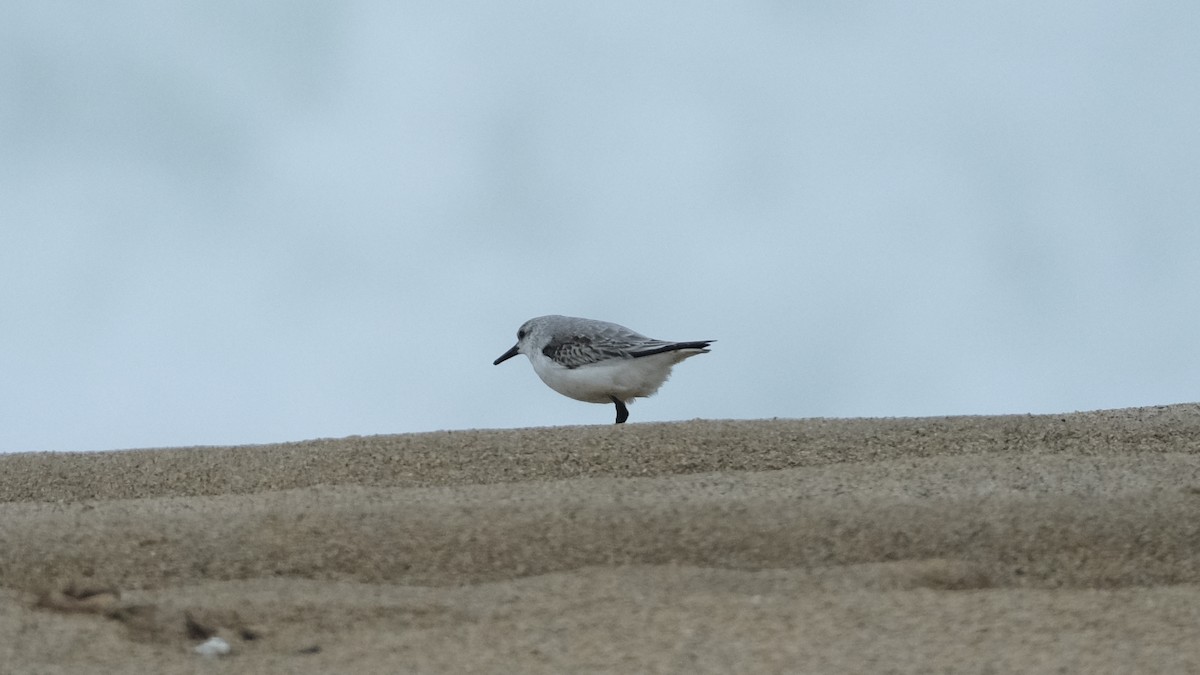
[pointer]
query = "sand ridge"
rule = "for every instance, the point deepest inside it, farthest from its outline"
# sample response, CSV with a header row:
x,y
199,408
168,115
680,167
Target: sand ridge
x,y
1009,543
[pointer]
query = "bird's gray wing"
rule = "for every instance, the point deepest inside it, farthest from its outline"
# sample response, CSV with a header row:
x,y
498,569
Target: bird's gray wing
x,y
601,342
572,351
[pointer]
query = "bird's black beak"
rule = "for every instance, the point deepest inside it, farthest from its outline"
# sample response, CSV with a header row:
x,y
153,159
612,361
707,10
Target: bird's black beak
x,y
506,355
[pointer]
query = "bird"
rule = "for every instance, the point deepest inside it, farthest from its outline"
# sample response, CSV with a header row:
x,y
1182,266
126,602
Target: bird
x,y
597,361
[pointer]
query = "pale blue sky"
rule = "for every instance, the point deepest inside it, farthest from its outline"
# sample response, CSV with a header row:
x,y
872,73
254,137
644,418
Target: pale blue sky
x,y
226,223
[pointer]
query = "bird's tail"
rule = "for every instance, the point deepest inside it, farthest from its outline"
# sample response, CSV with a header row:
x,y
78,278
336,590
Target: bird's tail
x,y
697,346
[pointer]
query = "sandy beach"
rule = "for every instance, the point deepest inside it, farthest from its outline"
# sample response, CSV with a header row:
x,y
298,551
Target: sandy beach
x,y
1062,543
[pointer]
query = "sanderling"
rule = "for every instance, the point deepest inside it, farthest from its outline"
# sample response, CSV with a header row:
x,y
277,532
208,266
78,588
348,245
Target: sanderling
x,y
598,361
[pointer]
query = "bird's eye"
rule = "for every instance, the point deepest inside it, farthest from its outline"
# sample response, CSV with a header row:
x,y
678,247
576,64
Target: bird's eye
x,y
521,334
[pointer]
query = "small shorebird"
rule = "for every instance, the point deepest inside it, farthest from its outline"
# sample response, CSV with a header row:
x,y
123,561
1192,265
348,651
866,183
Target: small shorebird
x,y
598,361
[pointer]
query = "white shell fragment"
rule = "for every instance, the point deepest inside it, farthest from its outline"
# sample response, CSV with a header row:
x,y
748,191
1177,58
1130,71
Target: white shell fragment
x,y
213,646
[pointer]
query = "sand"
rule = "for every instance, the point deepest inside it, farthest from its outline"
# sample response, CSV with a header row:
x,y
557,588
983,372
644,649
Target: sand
x,y
1033,544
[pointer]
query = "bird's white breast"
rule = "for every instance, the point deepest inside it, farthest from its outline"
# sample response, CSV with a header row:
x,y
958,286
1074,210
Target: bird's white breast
x,y
595,383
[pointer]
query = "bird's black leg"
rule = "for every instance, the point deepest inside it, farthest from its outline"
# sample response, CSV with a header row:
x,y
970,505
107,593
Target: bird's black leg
x,y
622,411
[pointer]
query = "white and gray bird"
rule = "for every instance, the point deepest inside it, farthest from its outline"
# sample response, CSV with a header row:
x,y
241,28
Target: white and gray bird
x,y
598,361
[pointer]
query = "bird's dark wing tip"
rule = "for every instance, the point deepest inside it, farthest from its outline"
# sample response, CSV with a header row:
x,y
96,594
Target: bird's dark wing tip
x,y
701,345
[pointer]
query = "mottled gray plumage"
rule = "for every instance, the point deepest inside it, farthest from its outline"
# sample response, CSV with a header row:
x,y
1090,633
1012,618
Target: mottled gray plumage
x,y
578,342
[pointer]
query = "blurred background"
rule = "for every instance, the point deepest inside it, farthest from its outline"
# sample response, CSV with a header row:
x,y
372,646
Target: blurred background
x,y
231,222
